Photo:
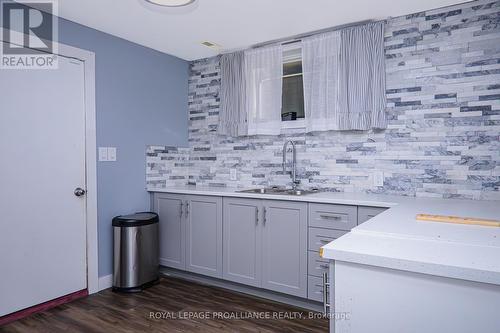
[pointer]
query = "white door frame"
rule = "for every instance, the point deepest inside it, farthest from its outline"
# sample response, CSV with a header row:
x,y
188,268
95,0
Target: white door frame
x,y
88,58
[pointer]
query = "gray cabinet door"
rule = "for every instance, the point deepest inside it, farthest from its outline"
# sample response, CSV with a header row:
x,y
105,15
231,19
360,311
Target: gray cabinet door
x,y
284,247
203,216
316,265
366,213
315,288
172,229
242,240
319,237
340,217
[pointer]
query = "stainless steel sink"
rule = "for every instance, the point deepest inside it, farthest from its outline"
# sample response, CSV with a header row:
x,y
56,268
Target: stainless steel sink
x,y
267,190
300,192
279,190
255,190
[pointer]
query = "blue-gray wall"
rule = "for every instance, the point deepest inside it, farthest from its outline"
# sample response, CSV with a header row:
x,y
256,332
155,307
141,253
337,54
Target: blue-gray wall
x,y
141,99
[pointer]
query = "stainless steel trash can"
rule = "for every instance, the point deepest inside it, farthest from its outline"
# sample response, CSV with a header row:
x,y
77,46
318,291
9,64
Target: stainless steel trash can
x,y
136,251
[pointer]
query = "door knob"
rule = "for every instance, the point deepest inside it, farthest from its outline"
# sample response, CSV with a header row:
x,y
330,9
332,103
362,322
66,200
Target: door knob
x,y
79,192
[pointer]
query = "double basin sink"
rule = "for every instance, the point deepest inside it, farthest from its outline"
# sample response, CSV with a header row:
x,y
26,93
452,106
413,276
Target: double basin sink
x,y
279,191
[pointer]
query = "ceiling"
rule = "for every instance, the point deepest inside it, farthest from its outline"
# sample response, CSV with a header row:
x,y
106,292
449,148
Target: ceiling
x,y
233,24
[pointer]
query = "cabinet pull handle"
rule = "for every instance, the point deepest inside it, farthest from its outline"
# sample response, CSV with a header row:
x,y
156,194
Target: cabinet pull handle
x,y
257,216
265,215
187,208
330,217
182,204
326,284
325,241
325,266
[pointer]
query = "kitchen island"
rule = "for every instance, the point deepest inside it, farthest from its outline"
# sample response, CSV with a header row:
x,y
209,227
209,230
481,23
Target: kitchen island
x,y
396,274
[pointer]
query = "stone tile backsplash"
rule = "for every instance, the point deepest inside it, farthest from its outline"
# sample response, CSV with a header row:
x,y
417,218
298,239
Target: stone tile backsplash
x,y
443,93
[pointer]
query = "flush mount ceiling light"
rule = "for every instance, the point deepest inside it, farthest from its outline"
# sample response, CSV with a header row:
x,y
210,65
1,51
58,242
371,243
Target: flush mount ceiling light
x,y
170,7
171,3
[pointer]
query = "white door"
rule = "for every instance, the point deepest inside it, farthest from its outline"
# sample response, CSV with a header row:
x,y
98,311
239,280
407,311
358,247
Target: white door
x,y
42,161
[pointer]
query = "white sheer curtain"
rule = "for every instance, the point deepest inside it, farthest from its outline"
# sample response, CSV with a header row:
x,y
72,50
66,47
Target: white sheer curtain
x,y
320,67
264,81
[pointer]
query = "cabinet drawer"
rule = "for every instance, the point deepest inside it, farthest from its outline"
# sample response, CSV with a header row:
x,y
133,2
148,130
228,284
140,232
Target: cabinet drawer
x,y
340,217
316,265
366,213
315,288
319,237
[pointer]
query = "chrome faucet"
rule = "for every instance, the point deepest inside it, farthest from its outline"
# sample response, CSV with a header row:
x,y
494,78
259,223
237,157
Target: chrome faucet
x,y
293,173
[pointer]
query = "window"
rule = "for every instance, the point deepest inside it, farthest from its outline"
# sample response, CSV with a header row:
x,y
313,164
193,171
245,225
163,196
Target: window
x,y
293,89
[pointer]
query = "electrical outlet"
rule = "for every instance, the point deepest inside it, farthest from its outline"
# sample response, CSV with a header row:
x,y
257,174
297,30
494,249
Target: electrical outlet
x,y
103,154
232,174
378,178
112,154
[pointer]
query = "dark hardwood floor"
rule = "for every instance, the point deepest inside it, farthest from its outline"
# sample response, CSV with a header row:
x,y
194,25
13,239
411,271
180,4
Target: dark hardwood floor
x,y
171,306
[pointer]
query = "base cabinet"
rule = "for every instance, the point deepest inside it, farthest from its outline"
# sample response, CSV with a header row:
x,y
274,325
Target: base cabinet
x,y
284,247
366,213
204,235
190,232
265,244
268,244
315,288
170,209
242,241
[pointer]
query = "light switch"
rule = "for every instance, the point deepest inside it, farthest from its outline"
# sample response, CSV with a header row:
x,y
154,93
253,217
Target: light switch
x,y
112,154
103,154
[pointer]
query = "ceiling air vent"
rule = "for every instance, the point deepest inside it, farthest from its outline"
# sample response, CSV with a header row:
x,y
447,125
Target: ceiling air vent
x,y
210,44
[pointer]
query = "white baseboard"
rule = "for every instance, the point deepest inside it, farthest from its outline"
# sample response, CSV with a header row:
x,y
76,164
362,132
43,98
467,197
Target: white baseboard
x,y
105,282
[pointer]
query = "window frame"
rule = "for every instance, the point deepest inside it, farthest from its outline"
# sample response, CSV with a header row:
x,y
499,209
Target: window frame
x,y
290,48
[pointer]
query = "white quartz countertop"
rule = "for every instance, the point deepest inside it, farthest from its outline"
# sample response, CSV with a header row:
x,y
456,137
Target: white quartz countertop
x,y
395,239
359,199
